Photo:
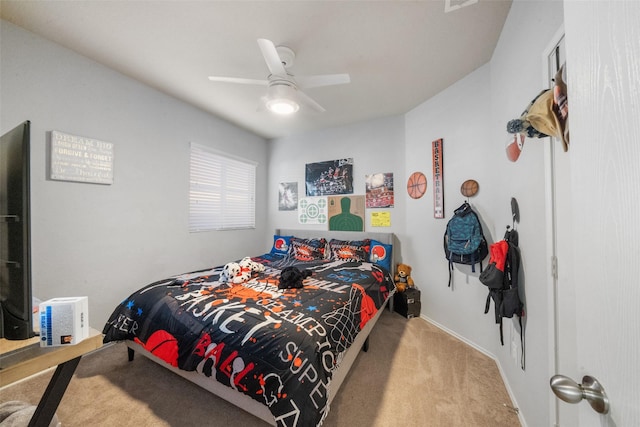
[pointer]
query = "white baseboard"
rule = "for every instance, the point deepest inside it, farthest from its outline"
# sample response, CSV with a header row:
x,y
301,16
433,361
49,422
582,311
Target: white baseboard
x,y
486,353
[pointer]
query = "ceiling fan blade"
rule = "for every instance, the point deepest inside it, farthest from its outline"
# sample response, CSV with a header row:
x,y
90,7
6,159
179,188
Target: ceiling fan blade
x,y
271,57
305,100
239,80
323,80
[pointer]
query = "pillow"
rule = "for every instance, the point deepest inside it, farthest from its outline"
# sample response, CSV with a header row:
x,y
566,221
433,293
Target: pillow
x,y
281,244
380,253
349,250
307,249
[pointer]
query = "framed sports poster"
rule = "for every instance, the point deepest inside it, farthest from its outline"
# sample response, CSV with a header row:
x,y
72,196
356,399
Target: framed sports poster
x,y
438,182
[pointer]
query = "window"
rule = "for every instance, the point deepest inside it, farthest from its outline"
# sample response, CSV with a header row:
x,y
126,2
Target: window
x,y
221,191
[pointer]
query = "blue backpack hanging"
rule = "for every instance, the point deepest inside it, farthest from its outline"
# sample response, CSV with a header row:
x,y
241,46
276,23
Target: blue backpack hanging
x,y
464,241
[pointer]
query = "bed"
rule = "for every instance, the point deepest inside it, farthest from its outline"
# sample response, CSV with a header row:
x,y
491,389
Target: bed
x,y
280,354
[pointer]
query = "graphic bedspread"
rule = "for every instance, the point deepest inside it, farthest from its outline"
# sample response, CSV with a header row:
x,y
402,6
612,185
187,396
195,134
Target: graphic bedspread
x,y
279,347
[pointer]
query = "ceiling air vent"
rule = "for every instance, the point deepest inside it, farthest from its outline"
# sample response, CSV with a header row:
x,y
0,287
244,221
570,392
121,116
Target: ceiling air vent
x,y
451,5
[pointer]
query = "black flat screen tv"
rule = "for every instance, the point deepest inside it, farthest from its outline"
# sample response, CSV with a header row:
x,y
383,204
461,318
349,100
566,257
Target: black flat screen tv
x,y
16,320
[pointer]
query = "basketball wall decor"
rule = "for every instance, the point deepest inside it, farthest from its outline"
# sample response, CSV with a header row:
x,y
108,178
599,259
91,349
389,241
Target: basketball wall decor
x,y
438,179
469,188
417,185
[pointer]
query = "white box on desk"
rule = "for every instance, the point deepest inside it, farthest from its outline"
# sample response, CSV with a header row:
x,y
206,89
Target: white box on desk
x,y
64,321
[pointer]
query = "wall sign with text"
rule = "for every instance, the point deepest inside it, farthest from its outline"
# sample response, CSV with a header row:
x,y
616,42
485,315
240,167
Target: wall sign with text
x,y
80,159
438,182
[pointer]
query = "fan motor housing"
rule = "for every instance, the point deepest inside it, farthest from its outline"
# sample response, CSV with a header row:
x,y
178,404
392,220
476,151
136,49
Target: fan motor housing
x,y
287,56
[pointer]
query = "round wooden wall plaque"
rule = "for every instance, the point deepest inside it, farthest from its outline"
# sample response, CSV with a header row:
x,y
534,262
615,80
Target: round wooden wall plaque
x,y
417,185
469,188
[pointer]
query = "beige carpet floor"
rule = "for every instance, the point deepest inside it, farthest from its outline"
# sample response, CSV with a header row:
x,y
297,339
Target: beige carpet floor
x,y
414,374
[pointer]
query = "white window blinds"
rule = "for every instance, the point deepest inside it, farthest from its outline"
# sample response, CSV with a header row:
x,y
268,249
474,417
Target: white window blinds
x,y
222,191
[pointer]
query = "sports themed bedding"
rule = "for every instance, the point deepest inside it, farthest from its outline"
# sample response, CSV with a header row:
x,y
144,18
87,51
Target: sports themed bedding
x,y
278,346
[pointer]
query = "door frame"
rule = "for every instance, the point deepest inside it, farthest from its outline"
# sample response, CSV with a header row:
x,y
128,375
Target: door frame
x,y
559,323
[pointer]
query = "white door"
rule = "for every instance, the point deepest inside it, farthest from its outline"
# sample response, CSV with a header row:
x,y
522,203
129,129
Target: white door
x,y
603,66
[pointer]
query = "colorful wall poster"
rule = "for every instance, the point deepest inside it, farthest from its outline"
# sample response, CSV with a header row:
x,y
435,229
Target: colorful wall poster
x,y
379,190
329,178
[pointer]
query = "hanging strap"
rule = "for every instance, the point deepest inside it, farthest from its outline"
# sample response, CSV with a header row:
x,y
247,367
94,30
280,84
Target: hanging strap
x,y
488,303
522,358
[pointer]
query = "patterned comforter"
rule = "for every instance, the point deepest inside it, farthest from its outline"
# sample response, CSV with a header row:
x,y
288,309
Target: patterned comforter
x,y
280,347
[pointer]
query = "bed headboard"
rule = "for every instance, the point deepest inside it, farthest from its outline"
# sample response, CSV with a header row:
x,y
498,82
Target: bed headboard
x,y
388,238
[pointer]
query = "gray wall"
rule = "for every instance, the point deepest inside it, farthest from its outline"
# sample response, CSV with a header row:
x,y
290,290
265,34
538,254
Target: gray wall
x,y
516,77
105,241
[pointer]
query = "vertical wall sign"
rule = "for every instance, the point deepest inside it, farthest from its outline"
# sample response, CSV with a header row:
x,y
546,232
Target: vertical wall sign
x,y
80,159
438,183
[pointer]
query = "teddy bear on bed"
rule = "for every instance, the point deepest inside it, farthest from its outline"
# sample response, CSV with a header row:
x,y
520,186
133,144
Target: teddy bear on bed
x,y
403,278
292,277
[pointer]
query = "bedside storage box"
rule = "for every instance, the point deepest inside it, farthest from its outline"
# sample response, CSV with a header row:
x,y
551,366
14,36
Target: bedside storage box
x,y
64,321
407,303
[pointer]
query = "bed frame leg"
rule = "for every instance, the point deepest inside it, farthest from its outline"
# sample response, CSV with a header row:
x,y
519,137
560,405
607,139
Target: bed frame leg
x,y
365,346
130,353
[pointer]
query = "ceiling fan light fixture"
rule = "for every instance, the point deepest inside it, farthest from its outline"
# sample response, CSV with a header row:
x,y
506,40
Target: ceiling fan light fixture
x,y
282,106
281,99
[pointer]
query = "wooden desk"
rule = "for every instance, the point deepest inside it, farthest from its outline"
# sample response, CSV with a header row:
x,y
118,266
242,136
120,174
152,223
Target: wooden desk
x,y
23,358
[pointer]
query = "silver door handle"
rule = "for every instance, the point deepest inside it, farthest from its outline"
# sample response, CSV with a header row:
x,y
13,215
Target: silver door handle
x,y
591,390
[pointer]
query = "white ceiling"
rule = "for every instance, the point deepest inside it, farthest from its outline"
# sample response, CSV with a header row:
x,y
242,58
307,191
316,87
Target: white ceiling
x,y
398,53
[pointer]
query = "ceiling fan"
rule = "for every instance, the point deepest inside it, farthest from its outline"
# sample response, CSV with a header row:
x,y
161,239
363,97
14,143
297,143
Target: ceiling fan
x,y
283,89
